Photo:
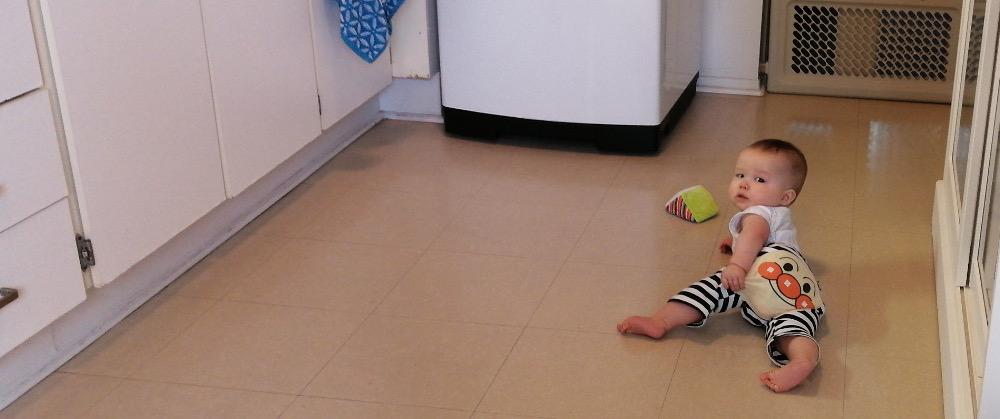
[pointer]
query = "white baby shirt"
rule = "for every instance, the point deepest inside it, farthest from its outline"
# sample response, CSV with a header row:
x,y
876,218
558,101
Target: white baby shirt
x,y
778,218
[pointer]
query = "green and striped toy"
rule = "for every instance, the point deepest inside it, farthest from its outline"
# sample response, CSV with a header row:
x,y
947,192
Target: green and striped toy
x,y
694,204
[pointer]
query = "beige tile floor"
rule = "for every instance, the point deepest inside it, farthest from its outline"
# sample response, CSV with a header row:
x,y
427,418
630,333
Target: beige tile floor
x,y
422,276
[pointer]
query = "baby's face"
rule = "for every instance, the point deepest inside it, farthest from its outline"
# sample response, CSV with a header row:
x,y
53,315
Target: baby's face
x,y
761,178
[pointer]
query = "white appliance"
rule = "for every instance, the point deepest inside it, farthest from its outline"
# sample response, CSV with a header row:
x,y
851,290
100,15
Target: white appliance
x,y
615,72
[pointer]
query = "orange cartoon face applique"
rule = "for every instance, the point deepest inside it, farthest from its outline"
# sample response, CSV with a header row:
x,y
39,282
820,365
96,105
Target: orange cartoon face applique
x,y
785,284
780,281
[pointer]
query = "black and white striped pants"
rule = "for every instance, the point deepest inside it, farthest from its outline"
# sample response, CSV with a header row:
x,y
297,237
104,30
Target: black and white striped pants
x,y
709,297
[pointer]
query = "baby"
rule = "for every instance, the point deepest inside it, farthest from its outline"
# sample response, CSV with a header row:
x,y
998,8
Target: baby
x,y
766,276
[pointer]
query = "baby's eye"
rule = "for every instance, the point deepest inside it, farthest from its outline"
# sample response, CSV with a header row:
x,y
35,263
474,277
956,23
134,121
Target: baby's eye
x,y
758,179
739,176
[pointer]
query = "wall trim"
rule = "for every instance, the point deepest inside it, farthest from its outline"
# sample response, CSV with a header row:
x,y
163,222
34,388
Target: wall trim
x,y
730,86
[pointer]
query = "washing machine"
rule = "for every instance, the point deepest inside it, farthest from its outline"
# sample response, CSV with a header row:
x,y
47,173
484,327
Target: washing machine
x,y
618,73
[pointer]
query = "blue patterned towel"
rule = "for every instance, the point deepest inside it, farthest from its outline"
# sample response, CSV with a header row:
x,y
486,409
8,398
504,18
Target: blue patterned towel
x,y
364,25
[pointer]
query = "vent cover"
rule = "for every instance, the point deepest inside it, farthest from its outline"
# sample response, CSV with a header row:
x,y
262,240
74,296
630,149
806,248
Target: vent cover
x,y
871,50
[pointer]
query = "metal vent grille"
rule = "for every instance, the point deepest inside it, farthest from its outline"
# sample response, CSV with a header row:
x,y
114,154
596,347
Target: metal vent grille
x,y
875,43
876,51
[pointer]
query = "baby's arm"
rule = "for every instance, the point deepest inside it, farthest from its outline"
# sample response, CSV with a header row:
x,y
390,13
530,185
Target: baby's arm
x,y
754,231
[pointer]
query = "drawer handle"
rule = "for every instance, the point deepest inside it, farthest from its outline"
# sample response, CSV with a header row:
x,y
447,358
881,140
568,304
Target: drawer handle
x,y
7,295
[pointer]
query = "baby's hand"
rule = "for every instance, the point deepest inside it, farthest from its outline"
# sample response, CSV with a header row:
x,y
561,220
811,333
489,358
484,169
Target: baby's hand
x,y
733,277
726,246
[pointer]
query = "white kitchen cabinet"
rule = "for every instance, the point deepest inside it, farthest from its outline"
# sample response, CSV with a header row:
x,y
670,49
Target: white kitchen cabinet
x,y
263,82
19,72
37,247
136,100
158,105
170,108
345,80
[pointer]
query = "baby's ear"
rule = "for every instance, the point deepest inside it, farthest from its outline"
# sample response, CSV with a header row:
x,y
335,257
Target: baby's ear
x,y
788,197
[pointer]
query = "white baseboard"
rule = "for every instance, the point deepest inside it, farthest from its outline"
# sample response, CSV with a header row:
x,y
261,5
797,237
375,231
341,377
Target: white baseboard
x,y
404,116
730,86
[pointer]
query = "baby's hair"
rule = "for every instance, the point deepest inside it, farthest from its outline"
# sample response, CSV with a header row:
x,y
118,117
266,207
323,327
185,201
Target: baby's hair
x,y
795,158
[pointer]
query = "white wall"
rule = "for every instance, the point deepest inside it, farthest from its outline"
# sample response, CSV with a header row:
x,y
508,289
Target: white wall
x,y
730,54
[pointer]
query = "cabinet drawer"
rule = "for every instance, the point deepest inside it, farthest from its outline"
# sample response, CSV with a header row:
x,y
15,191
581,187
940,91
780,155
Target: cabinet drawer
x,y
31,170
39,260
19,62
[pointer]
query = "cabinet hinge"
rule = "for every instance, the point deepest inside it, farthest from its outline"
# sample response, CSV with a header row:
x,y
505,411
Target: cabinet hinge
x,y
319,102
85,249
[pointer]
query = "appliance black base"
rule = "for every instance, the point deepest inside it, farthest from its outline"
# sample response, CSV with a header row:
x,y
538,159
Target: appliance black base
x,y
630,139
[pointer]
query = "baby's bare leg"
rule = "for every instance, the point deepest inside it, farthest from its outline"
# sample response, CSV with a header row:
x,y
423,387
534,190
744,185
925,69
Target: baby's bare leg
x,y
672,314
802,353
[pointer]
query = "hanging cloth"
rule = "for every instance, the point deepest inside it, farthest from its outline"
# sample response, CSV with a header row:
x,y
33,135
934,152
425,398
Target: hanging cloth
x,y
365,27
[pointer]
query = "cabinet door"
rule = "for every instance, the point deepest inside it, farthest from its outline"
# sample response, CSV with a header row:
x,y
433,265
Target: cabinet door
x,y
264,83
133,83
345,80
19,63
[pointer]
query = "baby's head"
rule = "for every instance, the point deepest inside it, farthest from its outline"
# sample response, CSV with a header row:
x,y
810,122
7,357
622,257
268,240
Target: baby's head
x,y
768,172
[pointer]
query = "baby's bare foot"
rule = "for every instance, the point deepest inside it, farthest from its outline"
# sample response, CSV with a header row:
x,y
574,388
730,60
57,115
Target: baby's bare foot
x,y
643,326
788,376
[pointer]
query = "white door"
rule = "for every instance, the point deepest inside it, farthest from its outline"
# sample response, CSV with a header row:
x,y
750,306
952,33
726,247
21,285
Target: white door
x,y
264,84
133,83
345,80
